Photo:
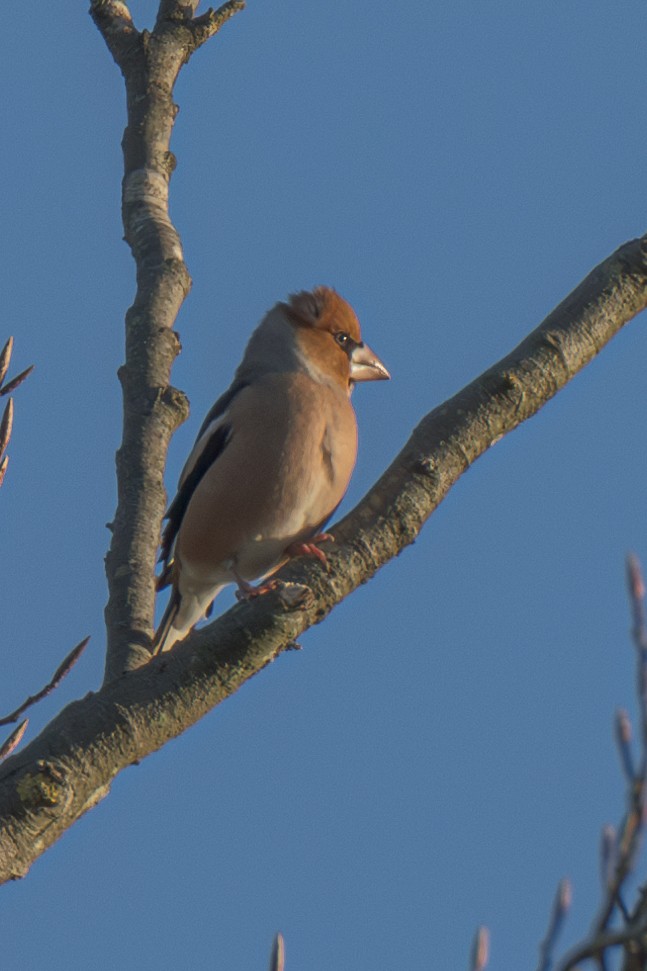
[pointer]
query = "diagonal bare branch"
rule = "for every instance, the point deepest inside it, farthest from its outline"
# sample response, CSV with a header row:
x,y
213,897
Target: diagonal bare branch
x,y
209,23
51,782
15,382
13,740
61,672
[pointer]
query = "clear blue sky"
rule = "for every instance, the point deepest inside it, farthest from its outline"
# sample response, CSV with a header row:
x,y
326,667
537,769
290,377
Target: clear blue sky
x,y
440,752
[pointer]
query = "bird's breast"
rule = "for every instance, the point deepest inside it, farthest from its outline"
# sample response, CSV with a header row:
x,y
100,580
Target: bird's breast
x,y
285,469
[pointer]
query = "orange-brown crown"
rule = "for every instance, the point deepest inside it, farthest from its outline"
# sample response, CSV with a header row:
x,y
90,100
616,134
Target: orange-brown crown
x,y
324,309
320,316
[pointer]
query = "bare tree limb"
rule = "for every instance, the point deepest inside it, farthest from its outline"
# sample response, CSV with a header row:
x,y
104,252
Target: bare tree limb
x,y
113,19
210,22
66,770
150,63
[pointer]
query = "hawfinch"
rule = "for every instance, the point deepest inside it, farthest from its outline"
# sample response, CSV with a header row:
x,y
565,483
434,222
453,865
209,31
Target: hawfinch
x,y
272,460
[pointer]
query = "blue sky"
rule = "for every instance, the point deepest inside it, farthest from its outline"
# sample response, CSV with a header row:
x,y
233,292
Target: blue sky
x,y
440,752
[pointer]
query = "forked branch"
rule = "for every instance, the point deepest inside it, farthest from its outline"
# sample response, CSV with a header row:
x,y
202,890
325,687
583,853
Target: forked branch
x,y
150,63
69,767
45,787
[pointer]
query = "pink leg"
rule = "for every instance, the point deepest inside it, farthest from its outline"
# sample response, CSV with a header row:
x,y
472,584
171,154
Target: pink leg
x,y
311,549
247,591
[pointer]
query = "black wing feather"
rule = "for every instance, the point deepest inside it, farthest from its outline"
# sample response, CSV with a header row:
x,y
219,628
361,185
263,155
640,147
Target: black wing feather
x,y
213,449
166,622
221,405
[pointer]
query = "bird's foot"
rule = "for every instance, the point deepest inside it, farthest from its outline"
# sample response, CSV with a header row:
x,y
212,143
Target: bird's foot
x,y
247,591
311,549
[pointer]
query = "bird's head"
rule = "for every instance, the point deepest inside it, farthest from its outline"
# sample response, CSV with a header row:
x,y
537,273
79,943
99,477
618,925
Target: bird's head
x,y
328,337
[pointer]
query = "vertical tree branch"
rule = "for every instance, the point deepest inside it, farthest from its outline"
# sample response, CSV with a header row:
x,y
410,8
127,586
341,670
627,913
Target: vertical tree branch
x,y
150,63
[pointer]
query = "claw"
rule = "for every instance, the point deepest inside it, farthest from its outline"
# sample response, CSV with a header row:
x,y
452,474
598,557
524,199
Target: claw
x,y
311,549
247,591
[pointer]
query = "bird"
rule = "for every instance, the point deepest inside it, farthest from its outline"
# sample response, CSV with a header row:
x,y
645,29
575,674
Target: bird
x,y
271,461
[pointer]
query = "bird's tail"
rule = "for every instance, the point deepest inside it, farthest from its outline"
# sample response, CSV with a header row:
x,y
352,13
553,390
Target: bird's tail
x,y
166,623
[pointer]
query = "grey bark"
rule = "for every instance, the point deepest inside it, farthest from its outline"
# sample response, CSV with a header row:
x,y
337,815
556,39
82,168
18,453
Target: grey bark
x,y
150,64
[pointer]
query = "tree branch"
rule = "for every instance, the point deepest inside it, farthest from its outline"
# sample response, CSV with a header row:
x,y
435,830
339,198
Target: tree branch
x,y
6,422
13,740
61,672
69,767
150,64
210,22
115,23
277,957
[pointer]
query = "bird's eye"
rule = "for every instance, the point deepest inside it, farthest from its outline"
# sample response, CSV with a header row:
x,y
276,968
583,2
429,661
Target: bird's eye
x,y
342,339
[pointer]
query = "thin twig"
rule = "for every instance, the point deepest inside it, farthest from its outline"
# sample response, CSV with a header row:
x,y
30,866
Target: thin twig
x,y
13,740
561,904
61,671
629,835
618,853
13,384
608,855
628,845
5,358
594,948
623,741
480,949
277,958
636,586
631,832
6,424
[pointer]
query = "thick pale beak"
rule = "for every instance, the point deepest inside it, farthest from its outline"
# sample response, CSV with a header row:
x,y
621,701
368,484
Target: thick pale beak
x,y
366,366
